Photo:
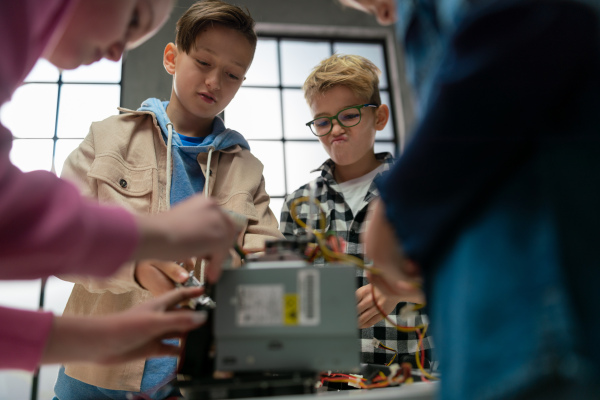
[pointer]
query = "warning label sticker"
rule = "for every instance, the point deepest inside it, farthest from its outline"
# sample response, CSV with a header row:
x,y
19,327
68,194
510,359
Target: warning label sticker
x,y
290,309
260,305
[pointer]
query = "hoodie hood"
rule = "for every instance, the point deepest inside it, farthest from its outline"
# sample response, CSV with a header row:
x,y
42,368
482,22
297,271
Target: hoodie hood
x,y
220,137
184,174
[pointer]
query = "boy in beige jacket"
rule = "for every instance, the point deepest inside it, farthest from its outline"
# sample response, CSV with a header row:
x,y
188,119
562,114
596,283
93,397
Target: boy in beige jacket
x,y
152,158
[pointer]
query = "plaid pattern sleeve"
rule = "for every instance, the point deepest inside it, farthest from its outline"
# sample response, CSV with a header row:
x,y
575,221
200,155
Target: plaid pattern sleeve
x,y
339,218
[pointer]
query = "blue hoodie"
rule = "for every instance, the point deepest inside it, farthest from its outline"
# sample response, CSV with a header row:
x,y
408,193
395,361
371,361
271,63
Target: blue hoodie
x,y
187,177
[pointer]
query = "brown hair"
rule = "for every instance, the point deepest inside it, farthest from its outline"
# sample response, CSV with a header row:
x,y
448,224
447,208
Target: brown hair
x,y
354,72
206,13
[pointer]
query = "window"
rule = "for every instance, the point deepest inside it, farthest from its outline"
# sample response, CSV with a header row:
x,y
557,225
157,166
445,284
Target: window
x,y
49,115
273,88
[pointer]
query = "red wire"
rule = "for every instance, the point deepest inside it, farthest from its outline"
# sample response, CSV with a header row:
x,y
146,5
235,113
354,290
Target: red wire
x,y
387,318
418,331
423,378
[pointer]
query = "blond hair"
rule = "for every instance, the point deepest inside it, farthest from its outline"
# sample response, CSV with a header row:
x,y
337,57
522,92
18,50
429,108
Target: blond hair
x,y
356,73
205,14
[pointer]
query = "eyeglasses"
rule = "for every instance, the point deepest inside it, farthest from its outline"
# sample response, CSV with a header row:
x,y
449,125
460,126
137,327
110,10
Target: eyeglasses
x,y
348,117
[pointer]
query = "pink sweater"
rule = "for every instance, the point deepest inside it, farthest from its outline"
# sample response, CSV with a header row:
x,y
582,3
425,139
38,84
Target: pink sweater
x,y
46,228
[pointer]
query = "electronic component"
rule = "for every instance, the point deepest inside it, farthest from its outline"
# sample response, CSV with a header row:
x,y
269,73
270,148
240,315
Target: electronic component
x,y
277,317
279,322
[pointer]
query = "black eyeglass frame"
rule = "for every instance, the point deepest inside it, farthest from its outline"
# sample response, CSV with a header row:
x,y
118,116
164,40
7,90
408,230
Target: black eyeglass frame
x,y
359,107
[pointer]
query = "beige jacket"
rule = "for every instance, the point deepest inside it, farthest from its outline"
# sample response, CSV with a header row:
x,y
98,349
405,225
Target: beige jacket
x,y
123,161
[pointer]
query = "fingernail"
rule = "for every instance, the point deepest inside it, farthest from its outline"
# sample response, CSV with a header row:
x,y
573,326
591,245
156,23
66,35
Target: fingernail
x,y
199,317
183,277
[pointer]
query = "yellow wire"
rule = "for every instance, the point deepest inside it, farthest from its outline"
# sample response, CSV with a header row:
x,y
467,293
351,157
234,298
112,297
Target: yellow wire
x,y
331,255
392,360
418,359
328,254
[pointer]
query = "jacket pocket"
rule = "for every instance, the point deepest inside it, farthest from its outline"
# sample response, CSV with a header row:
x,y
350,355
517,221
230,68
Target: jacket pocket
x,y
239,202
123,184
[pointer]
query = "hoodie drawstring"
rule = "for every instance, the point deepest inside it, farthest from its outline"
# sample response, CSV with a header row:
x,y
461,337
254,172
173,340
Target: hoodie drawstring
x,y
206,185
169,169
206,194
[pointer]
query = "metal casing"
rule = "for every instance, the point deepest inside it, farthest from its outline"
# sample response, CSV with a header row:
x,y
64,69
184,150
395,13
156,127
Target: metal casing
x,y
288,318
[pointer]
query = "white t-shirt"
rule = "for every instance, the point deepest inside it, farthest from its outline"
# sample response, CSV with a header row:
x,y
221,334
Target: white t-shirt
x,y
355,190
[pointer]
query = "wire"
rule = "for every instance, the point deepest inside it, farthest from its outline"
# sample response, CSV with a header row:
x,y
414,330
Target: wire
x,y
419,330
388,319
420,362
240,252
334,253
321,236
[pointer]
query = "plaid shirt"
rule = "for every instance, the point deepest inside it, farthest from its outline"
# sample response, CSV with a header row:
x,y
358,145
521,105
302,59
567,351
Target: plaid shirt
x,y
339,219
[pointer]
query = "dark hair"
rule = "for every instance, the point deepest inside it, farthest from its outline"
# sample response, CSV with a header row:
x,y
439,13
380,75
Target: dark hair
x,y
207,13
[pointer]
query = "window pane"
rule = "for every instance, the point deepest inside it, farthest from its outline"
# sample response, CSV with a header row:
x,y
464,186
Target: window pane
x,y
265,67
43,71
103,71
56,294
32,154
20,294
80,105
255,113
32,111
388,132
276,206
295,115
371,51
271,155
298,58
64,147
15,384
381,147
300,159
46,380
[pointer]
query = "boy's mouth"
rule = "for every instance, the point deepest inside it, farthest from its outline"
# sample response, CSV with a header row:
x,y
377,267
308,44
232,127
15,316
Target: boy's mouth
x,y
207,98
342,138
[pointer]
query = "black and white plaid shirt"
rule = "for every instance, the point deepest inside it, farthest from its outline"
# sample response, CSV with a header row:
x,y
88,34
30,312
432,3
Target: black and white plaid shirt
x,y
339,219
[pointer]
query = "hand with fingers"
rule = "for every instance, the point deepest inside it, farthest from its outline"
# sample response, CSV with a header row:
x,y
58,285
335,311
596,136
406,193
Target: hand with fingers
x,y
397,276
196,227
159,277
134,334
368,314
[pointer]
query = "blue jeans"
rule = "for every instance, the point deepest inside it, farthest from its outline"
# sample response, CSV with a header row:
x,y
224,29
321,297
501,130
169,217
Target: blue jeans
x,y
156,374
514,302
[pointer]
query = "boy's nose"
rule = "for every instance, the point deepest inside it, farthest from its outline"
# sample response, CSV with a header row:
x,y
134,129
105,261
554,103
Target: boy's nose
x,y
213,81
336,128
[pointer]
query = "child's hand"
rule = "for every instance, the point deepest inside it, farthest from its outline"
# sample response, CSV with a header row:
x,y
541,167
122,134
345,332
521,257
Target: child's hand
x,y
158,276
134,334
397,276
196,227
368,314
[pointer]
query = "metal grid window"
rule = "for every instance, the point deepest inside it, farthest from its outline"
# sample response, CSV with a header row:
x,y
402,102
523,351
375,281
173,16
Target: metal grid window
x,y
270,110
49,115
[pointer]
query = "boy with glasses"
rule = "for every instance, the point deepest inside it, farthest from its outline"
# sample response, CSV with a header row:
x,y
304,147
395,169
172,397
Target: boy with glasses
x,y
157,156
343,95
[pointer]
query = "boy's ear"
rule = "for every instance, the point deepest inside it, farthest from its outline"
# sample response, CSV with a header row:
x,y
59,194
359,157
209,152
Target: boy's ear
x,y
382,115
169,57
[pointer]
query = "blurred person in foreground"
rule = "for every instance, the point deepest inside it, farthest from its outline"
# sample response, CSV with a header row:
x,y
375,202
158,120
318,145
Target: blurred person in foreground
x,y
47,228
494,204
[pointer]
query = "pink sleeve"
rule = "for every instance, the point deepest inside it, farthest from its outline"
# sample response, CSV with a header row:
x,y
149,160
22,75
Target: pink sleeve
x,y
47,228
23,337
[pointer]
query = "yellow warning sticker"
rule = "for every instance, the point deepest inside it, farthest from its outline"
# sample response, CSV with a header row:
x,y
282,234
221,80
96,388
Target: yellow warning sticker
x,y
290,309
